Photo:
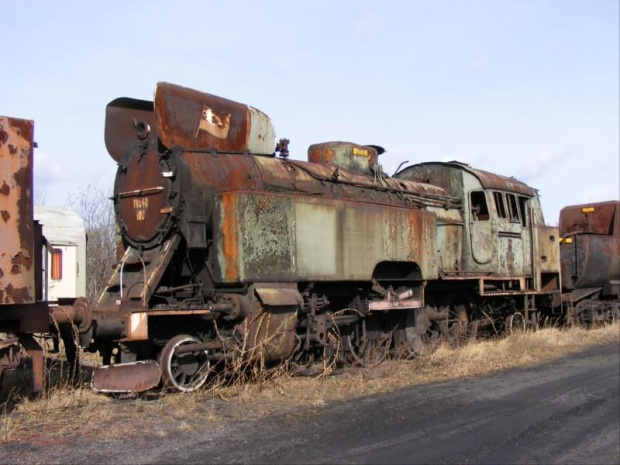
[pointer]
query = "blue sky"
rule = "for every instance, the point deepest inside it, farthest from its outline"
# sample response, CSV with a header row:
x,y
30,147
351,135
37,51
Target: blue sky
x,y
523,88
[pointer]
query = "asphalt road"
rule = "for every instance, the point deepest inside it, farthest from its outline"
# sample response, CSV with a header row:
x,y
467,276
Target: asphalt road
x,y
566,411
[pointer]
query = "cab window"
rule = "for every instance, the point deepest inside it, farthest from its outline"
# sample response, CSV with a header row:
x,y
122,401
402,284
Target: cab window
x,y
513,209
479,207
498,197
523,204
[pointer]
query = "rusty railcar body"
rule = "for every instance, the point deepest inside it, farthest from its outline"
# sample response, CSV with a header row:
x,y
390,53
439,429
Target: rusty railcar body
x,y
24,310
590,253
227,245
21,311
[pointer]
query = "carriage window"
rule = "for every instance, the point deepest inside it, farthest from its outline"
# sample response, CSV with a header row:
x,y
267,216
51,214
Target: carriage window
x,y
479,208
512,207
523,203
499,204
56,264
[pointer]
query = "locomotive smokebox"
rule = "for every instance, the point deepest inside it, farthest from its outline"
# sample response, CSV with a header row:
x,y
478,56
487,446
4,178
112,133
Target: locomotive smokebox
x,y
151,182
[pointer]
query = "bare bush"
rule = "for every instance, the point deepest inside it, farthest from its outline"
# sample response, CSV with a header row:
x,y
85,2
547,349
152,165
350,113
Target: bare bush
x,y
94,206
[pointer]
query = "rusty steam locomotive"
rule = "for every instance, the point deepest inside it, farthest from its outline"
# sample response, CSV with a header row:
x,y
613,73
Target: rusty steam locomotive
x,y
231,249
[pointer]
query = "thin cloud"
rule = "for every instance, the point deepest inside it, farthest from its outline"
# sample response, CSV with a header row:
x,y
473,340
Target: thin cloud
x,y
534,168
49,170
601,194
479,64
368,25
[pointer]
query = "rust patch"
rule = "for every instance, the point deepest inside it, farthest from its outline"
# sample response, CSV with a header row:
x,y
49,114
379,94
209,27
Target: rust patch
x,y
196,120
352,157
229,239
510,259
447,174
17,295
24,128
594,218
16,210
21,259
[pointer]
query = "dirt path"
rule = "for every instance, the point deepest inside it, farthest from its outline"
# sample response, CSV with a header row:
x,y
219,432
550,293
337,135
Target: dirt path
x,y
563,411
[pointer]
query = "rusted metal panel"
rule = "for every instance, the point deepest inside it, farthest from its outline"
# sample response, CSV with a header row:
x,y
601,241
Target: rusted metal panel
x,y
271,328
17,274
127,283
143,197
483,242
496,181
590,261
388,305
274,294
510,249
317,229
450,236
260,247
498,244
352,157
594,218
129,127
198,121
445,175
126,377
137,326
284,238
547,258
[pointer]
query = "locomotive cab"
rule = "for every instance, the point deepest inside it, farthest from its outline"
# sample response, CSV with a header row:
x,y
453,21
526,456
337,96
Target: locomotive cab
x,y
507,250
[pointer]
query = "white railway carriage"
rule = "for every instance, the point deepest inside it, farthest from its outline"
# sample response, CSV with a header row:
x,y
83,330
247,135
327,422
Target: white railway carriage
x,y
64,261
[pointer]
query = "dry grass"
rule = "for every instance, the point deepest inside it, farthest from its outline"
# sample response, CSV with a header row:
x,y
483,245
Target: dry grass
x,y
63,413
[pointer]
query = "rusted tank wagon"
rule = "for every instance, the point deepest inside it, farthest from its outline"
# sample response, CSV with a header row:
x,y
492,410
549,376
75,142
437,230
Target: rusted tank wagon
x,y
230,249
590,253
23,308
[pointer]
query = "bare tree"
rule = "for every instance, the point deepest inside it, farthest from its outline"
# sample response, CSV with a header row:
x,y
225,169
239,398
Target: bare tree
x,y
94,206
